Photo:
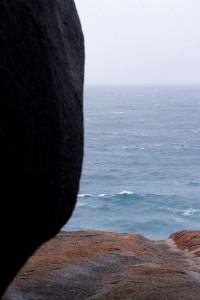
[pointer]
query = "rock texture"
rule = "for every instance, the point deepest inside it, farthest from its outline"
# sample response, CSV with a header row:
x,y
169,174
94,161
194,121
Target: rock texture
x,y
188,240
102,265
41,124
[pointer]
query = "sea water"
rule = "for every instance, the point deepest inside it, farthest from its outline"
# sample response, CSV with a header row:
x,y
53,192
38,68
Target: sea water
x,y
141,170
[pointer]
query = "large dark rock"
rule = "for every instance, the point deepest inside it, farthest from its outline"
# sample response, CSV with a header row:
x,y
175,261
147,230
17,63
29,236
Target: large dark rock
x,y
41,124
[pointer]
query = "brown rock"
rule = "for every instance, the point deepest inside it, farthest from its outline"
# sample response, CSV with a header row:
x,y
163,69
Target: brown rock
x,y
102,265
187,240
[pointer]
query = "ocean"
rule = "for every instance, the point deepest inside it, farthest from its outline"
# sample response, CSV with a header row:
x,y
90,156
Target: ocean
x,y
141,170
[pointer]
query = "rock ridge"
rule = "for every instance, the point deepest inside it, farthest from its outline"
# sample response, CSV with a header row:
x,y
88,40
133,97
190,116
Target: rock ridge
x,y
106,265
187,240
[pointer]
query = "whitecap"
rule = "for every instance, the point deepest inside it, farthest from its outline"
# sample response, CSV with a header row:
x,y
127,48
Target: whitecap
x,y
84,195
102,195
179,220
190,212
126,193
81,204
132,148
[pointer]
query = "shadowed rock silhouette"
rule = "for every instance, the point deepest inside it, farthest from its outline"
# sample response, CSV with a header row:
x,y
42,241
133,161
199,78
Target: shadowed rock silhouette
x,y
41,124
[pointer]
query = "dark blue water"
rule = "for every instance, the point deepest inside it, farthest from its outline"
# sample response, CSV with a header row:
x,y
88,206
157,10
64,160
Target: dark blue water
x,y
141,171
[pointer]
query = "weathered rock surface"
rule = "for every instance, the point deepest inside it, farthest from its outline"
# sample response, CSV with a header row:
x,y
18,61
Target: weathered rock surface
x,y
102,265
188,240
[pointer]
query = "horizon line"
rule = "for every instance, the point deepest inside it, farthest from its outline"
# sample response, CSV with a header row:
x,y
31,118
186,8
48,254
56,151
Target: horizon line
x,y
143,85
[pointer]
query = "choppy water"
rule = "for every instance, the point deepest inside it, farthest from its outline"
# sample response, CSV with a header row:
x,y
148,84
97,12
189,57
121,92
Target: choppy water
x,y
141,171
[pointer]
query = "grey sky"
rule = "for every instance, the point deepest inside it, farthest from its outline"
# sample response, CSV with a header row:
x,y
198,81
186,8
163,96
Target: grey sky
x,y
141,41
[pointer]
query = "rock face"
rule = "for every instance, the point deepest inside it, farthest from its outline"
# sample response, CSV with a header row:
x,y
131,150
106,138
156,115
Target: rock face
x,y
41,124
102,265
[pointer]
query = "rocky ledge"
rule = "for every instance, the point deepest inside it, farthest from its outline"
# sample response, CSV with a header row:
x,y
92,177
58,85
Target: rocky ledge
x,y
103,265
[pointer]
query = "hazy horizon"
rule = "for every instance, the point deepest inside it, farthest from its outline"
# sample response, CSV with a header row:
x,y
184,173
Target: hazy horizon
x,y
140,42
143,85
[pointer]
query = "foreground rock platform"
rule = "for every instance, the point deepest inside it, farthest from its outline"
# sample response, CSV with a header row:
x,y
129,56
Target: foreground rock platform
x,y
103,265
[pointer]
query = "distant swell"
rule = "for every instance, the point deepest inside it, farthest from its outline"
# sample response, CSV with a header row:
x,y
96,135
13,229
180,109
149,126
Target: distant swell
x,y
123,193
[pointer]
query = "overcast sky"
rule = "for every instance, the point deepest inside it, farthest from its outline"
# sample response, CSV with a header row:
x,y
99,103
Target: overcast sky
x,y
141,41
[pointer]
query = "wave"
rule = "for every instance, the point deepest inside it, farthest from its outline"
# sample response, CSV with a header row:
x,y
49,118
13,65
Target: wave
x,y
81,204
120,197
106,195
132,148
85,195
190,212
126,193
173,203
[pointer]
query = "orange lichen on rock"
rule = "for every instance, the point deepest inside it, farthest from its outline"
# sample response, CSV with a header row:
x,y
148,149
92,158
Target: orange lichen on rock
x,y
187,240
